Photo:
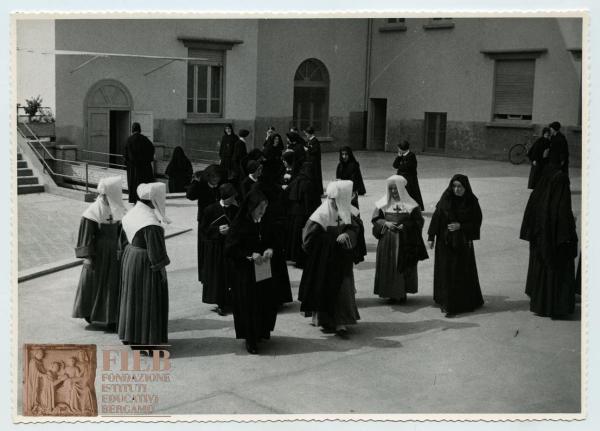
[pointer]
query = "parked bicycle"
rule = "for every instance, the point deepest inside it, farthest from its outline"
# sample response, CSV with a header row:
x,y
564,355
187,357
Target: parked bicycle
x,y
517,154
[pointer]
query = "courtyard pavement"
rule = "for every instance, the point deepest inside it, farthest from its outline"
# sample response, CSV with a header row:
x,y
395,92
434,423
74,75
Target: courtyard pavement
x,y
398,359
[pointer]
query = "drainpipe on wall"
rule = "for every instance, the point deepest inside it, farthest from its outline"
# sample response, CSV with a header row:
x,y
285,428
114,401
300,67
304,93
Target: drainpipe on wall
x,y
366,134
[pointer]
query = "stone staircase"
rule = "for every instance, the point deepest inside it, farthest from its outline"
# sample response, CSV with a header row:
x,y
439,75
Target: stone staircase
x,y
26,181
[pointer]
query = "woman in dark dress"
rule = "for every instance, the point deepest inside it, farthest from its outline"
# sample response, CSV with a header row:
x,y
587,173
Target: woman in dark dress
x,y
538,156
179,170
296,144
215,226
302,200
273,147
348,168
97,296
549,226
226,150
269,184
144,304
455,224
204,189
406,166
254,171
398,226
249,246
332,241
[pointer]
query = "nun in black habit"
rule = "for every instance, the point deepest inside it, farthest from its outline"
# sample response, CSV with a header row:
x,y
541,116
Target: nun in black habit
x,y
180,171
249,246
538,157
405,164
348,168
455,224
215,226
226,150
333,238
302,201
204,189
549,226
296,144
269,184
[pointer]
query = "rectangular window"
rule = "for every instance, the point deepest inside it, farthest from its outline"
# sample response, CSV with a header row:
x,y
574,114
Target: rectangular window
x,y
435,131
513,90
396,20
205,83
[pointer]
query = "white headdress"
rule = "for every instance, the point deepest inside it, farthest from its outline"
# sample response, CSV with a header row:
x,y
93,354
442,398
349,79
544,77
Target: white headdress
x,y
406,203
142,215
327,214
98,211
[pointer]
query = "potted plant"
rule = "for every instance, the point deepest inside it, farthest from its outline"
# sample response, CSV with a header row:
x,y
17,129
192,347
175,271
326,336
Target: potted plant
x,y
32,107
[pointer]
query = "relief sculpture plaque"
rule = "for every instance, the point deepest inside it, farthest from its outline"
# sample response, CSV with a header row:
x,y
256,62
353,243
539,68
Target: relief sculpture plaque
x,y
59,380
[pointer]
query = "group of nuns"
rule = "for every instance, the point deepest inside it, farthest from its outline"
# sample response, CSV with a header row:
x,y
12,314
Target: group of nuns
x,y
123,283
244,241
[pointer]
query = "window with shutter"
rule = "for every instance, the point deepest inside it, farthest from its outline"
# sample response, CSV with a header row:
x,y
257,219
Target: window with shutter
x,y
513,90
205,82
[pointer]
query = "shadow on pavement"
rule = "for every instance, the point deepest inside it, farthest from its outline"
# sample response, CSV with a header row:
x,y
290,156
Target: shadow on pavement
x,y
412,304
365,334
182,325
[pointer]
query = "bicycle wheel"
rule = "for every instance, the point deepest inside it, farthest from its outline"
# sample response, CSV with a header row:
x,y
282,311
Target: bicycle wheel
x,y
517,154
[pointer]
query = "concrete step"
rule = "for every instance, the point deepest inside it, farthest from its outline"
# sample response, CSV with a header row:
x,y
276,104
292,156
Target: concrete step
x,y
27,180
24,172
30,188
21,164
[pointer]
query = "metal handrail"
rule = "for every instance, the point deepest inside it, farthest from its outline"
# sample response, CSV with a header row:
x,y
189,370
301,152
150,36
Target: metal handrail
x,y
100,152
51,156
97,162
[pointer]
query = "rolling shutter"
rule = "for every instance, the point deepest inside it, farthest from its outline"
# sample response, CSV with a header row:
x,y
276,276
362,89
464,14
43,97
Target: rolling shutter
x,y
208,56
513,96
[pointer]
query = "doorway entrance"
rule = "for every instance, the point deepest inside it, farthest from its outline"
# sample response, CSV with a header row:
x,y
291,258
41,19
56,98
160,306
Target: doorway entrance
x,y
378,122
108,114
119,131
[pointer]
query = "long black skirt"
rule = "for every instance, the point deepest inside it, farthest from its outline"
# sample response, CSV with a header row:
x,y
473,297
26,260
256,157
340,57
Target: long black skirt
x,y
97,297
294,251
455,280
551,288
144,311
215,287
254,304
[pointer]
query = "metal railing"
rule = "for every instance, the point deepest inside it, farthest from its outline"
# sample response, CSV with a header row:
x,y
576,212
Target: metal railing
x,y
197,153
110,164
48,155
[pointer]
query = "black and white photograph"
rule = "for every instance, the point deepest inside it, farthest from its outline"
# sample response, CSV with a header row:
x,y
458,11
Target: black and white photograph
x,y
344,216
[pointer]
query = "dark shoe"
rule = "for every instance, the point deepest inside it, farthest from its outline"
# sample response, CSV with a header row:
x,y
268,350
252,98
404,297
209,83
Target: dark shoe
x,y
327,330
450,315
221,311
88,320
342,333
251,347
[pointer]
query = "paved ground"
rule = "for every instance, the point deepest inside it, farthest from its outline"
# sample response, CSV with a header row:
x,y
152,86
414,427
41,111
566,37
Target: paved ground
x,y
48,228
399,359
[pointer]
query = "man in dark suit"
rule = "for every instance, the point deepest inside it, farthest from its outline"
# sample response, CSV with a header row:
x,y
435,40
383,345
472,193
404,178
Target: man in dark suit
x,y
313,151
558,154
139,155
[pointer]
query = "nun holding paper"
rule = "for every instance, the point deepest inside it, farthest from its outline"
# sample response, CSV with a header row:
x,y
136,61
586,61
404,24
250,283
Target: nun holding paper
x,y
97,296
144,311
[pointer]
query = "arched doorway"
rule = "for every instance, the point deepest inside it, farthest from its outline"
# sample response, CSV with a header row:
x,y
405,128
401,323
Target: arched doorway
x,y
311,96
108,107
